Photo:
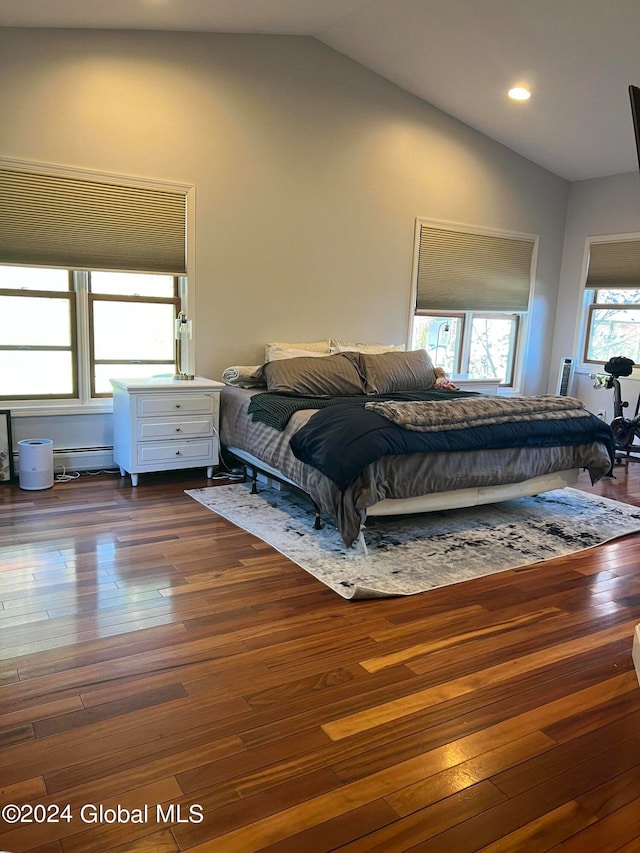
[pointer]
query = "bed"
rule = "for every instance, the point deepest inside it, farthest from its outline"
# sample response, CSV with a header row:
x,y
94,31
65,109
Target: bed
x,y
309,422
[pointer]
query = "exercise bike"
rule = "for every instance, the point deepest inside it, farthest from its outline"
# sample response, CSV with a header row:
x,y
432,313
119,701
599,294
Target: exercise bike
x,y
624,430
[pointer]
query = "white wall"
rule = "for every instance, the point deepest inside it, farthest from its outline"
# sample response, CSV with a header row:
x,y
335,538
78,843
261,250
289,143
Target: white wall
x,y
597,207
309,172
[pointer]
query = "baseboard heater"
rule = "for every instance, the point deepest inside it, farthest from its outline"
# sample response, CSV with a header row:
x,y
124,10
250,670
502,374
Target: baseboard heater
x,y
82,459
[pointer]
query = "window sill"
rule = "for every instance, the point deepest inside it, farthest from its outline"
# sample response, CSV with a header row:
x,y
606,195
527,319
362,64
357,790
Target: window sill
x,y
596,369
73,407
490,386
463,377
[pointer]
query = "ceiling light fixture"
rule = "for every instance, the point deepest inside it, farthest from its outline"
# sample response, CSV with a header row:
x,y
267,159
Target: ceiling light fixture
x,y
519,93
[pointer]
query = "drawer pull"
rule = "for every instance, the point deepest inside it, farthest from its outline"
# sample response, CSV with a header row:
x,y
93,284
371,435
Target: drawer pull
x,y
178,453
178,429
177,405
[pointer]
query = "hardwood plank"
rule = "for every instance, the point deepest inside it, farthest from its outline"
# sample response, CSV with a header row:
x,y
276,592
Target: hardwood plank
x,y
92,652
409,832
22,792
53,847
597,717
207,775
280,798
176,753
495,628
8,676
107,710
606,835
158,842
551,764
70,639
612,794
43,711
545,832
466,773
16,735
334,833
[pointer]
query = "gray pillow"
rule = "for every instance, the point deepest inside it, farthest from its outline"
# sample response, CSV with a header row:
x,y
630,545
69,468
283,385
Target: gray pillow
x,y
388,372
334,376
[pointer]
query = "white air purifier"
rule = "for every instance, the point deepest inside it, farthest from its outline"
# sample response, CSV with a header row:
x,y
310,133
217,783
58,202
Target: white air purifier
x,y
35,463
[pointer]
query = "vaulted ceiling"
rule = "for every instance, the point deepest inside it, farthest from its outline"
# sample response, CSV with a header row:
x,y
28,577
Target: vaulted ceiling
x,y
577,57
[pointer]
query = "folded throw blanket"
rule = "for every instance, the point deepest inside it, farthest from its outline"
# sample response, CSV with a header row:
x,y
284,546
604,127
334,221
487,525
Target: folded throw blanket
x,y
478,411
244,377
275,409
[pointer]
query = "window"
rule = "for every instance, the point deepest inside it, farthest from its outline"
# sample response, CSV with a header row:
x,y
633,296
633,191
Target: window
x,y
69,331
471,299
613,325
612,300
474,345
37,353
131,322
92,277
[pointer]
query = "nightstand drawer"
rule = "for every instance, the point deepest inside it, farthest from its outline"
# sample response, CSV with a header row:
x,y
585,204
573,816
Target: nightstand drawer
x,y
156,428
171,404
176,451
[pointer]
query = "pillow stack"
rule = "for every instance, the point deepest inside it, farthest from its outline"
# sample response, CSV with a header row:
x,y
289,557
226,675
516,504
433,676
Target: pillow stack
x,y
351,373
334,368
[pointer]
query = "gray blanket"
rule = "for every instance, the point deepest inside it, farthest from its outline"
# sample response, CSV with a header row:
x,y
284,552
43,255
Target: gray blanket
x,y
477,411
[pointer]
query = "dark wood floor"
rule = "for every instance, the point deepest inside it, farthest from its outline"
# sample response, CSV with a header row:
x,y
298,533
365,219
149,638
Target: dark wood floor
x,y
154,654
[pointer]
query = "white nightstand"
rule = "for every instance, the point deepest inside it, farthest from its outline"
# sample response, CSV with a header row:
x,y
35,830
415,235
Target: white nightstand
x,y
165,424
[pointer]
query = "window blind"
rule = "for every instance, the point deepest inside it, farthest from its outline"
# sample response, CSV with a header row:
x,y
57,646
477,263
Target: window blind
x,y
614,265
76,223
470,271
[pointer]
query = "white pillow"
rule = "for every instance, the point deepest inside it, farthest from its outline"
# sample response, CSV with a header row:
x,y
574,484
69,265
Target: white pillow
x,y
371,349
279,353
323,347
313,346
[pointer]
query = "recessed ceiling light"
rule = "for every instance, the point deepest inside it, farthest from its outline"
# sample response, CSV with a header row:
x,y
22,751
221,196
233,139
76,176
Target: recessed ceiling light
x,y
519,93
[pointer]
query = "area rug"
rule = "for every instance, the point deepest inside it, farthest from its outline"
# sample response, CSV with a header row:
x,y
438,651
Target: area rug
x,y
412,554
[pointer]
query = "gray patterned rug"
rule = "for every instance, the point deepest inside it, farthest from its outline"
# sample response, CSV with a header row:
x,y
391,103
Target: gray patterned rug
x,y
411,554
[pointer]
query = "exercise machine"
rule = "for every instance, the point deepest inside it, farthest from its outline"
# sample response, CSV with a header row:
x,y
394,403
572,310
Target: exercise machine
x,y
625,430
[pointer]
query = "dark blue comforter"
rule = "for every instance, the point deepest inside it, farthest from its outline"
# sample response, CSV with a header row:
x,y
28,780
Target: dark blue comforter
x,y
342,440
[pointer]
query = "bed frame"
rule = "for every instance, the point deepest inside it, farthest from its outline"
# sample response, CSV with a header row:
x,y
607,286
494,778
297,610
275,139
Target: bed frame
x,y
427,503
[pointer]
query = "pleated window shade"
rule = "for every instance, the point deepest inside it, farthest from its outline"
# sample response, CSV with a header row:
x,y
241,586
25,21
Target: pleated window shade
x,y
614,265
75,223
467,271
